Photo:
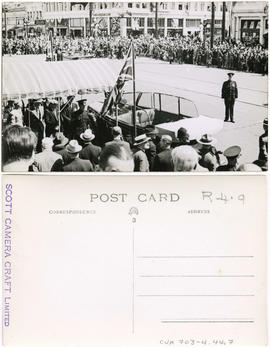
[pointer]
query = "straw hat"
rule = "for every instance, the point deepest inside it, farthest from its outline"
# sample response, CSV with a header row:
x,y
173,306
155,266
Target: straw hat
x,y
73,147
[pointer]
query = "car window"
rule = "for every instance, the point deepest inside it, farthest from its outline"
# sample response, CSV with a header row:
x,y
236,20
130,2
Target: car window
x,y
129,97
146,100
188,108
169,104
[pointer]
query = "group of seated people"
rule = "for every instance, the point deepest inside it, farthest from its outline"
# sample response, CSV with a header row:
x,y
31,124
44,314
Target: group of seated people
x,y
149,152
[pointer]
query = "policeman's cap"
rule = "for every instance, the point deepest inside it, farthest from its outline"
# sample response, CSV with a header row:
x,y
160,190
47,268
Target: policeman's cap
x,y
81,101
232,151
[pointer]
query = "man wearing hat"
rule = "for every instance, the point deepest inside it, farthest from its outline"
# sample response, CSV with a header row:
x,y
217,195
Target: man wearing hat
x,y
90,151
118,138
80,120
51,117
33,120
141,144
76,164
209,156
60,142
229,94
232,154
163,161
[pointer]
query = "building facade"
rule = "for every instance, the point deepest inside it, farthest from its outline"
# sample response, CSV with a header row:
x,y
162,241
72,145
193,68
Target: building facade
x,y
243,20
250,21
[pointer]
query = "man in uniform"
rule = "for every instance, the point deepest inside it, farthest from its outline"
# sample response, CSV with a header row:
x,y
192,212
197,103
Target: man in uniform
x,y
263,147
229,94
232,154
80,120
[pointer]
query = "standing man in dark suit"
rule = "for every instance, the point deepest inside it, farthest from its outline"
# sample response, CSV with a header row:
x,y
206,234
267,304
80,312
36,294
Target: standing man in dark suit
x,y
51,117
163,161
33,120
90,151
229,94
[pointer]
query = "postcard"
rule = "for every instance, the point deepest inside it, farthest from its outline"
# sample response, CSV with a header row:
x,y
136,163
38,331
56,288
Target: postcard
x,y
134,261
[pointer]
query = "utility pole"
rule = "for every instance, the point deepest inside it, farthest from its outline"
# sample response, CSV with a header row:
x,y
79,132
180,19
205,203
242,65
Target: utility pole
x,y
212,24
90,18
156,20
223,20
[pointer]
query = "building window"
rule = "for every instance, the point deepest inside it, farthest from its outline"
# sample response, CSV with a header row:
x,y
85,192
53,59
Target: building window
x,y
266,24
180,7
187,7
150,22
129,22
193,22
76,22
164,6
170,22
144,5
195,6
138,5
180,22
161,22
209,8
202,6
105,5
130,5
141,22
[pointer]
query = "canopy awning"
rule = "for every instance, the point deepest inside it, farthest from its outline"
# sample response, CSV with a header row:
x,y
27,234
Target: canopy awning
x,y
38,79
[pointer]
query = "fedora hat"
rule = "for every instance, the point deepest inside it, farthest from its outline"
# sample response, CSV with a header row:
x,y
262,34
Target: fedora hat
x,y
207,140
230,73
60,141
141,139
88,135
73,147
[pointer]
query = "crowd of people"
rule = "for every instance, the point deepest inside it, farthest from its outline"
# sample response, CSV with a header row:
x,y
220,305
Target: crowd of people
x,y
35,140
180,49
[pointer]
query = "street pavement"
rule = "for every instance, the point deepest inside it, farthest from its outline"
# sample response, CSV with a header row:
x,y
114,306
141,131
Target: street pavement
x,y
203,86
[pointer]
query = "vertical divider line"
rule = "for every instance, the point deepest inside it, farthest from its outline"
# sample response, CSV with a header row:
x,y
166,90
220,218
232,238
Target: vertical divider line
x,y
133,278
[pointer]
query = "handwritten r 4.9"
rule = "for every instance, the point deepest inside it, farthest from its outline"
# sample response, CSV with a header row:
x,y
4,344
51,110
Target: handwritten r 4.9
x,y
225,198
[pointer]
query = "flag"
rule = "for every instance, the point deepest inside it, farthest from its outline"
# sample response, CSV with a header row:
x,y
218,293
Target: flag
x,y
126,74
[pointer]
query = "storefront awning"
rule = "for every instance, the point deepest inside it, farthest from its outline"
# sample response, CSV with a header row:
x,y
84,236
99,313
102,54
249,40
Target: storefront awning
x,y
38,79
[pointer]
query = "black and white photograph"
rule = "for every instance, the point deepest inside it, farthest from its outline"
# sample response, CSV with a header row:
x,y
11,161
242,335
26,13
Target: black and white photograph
x,y
135,86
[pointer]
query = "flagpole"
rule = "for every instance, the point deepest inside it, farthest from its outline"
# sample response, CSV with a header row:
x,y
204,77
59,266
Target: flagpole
x,y
134,94
116,114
